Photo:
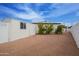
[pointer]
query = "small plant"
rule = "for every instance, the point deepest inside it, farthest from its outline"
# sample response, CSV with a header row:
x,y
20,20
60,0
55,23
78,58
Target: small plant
x,y
49,29
59,29
40,30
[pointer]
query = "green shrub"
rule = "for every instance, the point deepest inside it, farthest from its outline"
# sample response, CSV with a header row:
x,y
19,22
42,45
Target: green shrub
x,y
49,29
40,30
45,28
59,29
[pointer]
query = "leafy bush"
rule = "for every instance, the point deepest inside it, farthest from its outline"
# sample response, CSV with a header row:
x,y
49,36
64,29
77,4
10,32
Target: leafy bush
x,y
49,29
40,30
59,29
45,28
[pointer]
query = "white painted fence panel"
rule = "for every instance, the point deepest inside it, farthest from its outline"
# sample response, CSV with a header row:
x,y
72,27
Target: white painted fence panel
x,y
75,33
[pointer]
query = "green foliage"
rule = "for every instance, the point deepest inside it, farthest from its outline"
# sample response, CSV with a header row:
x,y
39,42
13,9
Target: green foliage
x,y
45,28
59,29
40,26
49,29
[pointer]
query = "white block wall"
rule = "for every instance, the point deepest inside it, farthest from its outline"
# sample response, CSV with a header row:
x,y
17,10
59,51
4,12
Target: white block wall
x,y
11,31
75,33
17,33
3,32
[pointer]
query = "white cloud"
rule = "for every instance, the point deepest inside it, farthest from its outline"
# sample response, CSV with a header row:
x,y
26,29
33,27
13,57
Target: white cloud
x,y
7,10
63,9
31,16
37,20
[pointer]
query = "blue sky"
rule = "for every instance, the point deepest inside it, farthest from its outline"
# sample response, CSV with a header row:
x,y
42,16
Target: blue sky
x,y
67,13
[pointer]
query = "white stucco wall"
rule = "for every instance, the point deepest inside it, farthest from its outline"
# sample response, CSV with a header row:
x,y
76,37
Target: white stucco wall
x,y
10,30
17,33
3,32
75,33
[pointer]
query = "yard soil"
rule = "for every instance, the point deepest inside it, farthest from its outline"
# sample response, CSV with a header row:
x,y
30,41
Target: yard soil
x,y
41,45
